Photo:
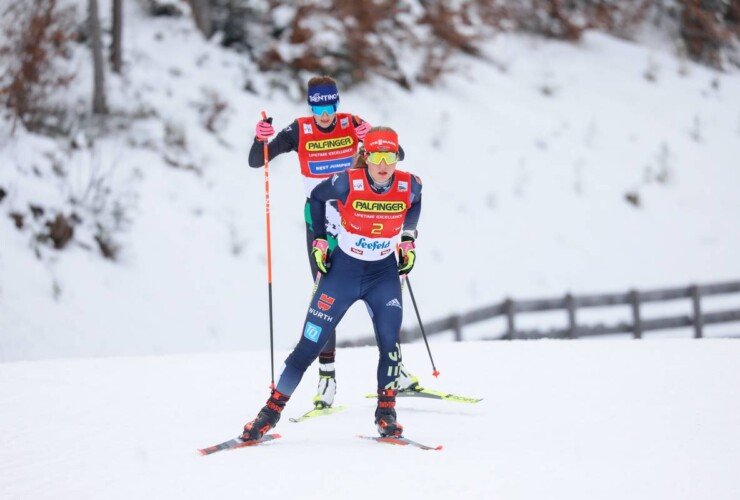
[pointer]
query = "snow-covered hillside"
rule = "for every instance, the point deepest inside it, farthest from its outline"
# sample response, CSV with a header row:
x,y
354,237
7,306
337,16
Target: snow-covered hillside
x,y
559,420
526,166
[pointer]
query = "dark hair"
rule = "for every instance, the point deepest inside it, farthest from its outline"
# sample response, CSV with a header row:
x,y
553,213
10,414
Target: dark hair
x,y
359,161
321,80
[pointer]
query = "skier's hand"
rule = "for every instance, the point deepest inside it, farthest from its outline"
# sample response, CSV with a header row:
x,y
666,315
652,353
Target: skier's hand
x,y
320,254
406,255
362,129
264,129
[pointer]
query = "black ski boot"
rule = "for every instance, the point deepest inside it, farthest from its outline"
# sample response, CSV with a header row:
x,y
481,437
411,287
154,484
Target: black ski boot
x,y
385,414
267,418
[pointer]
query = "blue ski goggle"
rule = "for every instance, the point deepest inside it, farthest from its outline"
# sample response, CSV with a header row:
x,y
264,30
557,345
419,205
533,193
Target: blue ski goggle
x,y
329,109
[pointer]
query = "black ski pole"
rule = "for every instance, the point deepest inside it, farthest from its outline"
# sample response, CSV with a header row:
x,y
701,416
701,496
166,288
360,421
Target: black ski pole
x,y
421,325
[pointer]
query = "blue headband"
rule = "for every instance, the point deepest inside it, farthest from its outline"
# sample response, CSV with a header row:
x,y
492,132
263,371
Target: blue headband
x,y
323,95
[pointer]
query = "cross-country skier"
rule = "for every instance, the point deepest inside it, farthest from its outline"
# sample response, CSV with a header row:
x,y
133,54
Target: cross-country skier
x,y
379,209
326,143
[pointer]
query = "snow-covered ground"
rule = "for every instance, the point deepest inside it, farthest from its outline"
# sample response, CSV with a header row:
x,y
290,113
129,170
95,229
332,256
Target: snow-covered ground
x,y
642,420
525,164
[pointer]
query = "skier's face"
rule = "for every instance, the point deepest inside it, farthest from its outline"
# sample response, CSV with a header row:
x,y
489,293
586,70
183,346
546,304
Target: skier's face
x,y
384,168
324,115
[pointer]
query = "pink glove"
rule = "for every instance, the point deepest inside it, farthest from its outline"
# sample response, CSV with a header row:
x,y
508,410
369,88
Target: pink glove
x,y
406,255
320,253
264,130
362,129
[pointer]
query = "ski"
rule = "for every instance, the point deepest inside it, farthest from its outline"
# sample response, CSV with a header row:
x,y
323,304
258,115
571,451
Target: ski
x,y
318,412
431,394
235,443
400,441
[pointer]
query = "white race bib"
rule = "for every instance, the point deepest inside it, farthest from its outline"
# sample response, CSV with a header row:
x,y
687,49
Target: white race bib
x,y
364,248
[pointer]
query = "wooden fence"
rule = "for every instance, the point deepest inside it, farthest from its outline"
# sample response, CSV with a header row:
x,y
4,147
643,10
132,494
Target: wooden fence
x,y
570,304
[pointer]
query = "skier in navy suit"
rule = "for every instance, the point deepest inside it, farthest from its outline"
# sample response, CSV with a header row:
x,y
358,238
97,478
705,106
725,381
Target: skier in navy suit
x,y
379,208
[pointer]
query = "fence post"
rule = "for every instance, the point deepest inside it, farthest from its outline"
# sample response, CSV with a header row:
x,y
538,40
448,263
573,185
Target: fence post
x,y
510,328
457,326
570,305
636,320
698,320
403,336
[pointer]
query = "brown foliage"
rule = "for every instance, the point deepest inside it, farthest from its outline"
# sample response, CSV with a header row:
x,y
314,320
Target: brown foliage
x,y
708,27
446,23
561,24
568,19
355,39
733,16
108,248
61,230
18,219
35,32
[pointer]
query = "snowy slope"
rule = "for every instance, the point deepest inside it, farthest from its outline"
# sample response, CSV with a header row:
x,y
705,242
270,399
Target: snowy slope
x,y
525,164
560,420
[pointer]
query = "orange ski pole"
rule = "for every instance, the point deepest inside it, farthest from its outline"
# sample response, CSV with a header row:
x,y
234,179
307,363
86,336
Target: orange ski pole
x,y
269,256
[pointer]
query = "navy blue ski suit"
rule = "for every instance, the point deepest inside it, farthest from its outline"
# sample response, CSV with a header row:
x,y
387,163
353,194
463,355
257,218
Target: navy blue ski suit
x,y
285,141
348,280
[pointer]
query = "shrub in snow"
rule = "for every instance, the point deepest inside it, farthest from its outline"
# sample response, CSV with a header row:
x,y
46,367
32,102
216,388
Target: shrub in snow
x,y
67,197
633,198
412,42
165,8
710,30
60,231
36,34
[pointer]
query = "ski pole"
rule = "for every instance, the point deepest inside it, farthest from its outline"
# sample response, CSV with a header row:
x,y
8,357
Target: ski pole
x,y
421,325
269,255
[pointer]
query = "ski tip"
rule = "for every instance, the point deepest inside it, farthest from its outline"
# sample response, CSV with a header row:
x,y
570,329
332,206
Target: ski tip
x,y
438,447
202,452
276,436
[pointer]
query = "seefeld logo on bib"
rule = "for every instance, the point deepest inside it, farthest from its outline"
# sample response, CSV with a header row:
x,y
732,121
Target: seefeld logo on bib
x,y
372,245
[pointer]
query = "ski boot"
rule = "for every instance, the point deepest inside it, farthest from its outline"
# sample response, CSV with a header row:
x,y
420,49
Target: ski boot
x,y
406,381
385,414
324,397
267,418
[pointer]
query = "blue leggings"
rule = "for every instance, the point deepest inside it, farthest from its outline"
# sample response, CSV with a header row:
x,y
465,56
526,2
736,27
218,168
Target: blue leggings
x,y
349,280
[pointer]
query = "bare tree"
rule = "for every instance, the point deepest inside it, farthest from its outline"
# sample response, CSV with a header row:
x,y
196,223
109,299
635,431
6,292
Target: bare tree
x,y
116,54
99,106
202,15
